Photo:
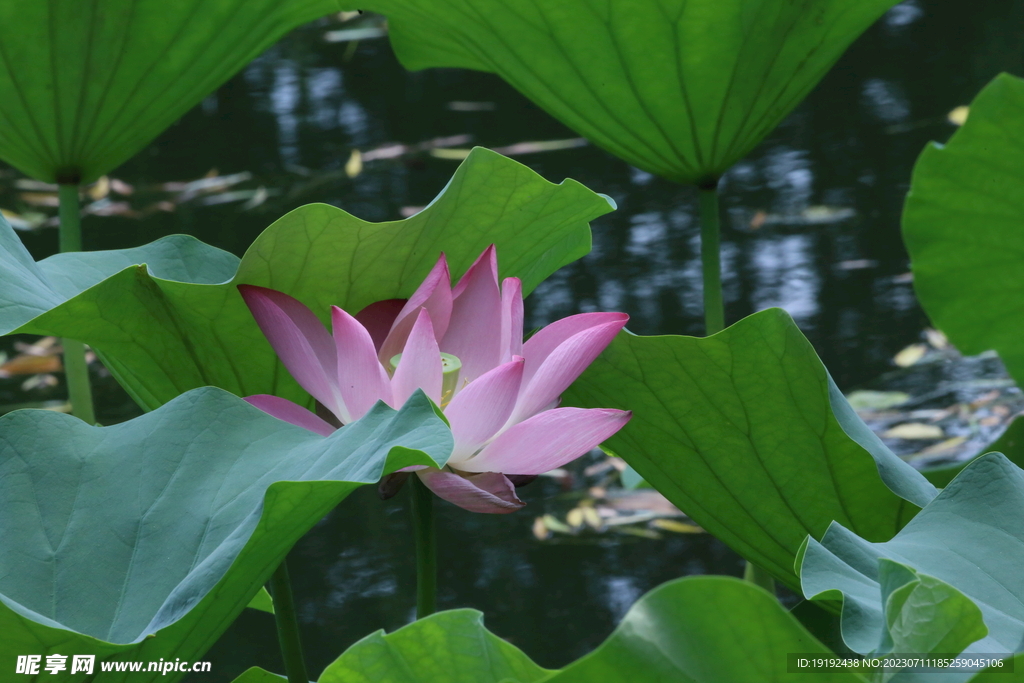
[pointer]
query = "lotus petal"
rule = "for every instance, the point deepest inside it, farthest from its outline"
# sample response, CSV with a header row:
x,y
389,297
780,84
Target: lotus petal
x,y
433,294
420,366
474,333
482,408
290,412
300,340
487,492
562,366
547,440
362,380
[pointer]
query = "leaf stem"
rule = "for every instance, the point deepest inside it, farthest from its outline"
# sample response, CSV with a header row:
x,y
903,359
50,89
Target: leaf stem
x,y
426,548
759,577
287,625
76,370
714,308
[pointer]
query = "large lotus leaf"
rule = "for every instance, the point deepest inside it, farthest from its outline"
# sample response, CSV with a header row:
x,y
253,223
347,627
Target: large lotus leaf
x,y
693,630
85,85
453,647
180,323
969,537
681,88
746,433
962,226
146,539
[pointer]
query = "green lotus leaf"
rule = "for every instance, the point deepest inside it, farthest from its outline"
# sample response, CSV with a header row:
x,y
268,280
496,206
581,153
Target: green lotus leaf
x,y
179,323
706,629
144,540
962,226
680,88
746,433
258,675
85,85
453,647
966,545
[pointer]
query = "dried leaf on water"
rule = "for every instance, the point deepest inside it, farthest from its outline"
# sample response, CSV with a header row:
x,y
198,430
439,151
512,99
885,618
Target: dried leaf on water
x,y
910,355
30,365
958,116
866,400
354,165
540,529
676,526
914,431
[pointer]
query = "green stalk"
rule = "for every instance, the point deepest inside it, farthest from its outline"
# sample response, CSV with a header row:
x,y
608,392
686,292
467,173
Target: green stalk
x,y
714,308
426,548
287,625
76,371
759,577
714,313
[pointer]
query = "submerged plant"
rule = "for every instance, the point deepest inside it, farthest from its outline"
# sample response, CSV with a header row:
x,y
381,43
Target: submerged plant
x,y
464,348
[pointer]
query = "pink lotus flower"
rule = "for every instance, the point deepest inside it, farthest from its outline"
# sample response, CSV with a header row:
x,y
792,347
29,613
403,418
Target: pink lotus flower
x,y
464,348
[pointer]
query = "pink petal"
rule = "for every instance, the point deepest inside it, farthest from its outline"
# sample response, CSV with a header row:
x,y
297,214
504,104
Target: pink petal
x,y
361,378
548,440
482,408
433,294
300,340
489,492
540,345
511,318
378,318
420,366
474,333
487,261
561,367
283,409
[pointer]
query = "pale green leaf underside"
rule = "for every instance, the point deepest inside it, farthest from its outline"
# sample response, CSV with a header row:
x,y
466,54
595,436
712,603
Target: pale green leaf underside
x,y
146,539
681,88
745,432
963,227
181,324
969,537
84,85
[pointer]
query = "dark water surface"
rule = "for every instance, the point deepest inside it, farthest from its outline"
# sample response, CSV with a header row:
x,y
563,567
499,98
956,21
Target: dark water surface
x,y
293,117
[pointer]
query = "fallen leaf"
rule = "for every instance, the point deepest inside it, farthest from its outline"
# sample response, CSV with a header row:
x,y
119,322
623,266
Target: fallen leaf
x,y
914,431
941,447
937,339
99,189
26,221
958,116
39,382
910,355
121,187
591,517
865,400
553,523
758,220
540,529
676,526
354,165
30,365
49,199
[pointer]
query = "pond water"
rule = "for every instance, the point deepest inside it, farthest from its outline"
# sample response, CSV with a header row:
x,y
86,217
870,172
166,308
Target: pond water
x,y
811,224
